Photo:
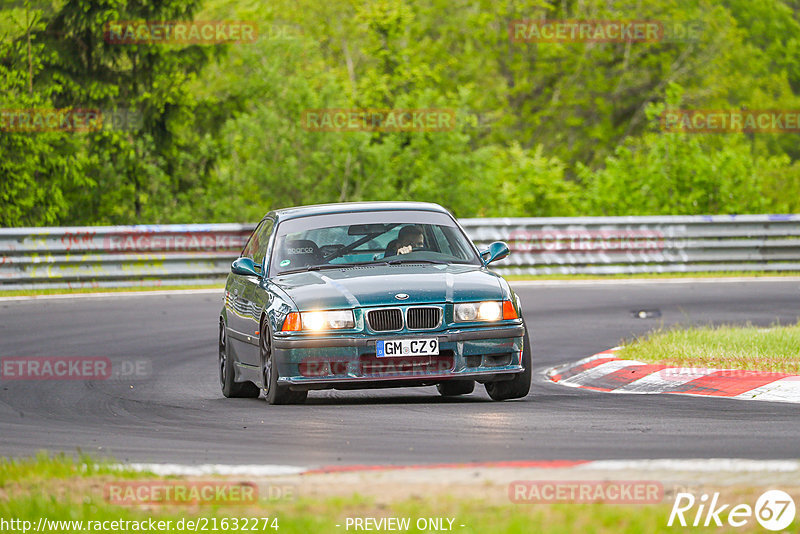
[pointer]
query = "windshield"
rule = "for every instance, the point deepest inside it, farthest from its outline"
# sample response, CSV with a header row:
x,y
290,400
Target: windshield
x,y
351,239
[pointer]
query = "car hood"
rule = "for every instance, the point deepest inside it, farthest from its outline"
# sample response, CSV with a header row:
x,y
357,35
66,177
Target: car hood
x,y
377,285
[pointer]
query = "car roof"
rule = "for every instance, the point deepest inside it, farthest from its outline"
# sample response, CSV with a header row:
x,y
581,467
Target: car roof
x,y
354,207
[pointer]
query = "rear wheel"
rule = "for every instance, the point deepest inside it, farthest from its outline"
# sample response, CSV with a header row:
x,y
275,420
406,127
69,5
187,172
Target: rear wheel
x,y
520,385
231,388
451,388
274,393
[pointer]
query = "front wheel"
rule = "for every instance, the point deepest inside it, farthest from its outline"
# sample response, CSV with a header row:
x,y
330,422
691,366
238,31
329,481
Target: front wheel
x,y
231,388
274,393
520,385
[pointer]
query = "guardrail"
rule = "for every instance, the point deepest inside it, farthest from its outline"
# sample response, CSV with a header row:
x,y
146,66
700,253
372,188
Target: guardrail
x,y
118,256
658,244
154,255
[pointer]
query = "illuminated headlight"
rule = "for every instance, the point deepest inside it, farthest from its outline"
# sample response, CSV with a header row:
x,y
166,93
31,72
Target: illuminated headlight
x,y
479,311
325,320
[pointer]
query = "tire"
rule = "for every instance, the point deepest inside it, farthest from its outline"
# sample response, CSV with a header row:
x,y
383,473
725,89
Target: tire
x,y
520,385
231,388
273,393
451,388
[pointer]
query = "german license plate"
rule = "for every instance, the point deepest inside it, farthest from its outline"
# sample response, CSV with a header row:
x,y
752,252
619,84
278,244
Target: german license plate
x,y
407,347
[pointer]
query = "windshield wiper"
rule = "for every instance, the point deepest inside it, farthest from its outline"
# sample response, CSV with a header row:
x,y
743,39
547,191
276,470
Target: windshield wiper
x,y
398,262
326,266
330,266
322,267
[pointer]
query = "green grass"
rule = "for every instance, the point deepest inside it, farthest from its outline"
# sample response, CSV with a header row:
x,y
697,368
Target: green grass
x,y
511,277
63,291
322,515
62,489
722,274
776,348
61,466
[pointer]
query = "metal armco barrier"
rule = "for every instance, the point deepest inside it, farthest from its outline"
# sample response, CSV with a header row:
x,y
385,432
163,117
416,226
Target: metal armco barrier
x,y
659,244
201,253
117,256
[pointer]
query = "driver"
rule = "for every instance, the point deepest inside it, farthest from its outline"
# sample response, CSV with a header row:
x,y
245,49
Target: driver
x,y
410,238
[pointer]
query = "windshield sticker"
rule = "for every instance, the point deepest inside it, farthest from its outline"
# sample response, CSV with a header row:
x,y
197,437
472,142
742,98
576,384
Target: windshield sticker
x,y
284,263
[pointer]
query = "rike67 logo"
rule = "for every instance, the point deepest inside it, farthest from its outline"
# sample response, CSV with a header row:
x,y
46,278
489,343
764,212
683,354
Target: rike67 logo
x,y
774,510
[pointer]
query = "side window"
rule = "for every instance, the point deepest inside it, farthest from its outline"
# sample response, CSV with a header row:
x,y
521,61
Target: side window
x,y
256,247
439,242
252,243
458,246
261,239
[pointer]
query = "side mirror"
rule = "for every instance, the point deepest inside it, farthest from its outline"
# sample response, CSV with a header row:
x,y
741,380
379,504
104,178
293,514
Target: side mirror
x,y
245,267
496,251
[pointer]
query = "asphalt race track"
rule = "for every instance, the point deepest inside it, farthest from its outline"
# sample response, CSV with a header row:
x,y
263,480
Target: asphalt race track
x,y
177,414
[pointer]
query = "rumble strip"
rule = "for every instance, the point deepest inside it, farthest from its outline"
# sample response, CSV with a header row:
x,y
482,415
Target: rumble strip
x,y
605,372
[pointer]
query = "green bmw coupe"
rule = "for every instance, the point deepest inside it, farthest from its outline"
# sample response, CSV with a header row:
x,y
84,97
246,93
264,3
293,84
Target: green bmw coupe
x,y
369,295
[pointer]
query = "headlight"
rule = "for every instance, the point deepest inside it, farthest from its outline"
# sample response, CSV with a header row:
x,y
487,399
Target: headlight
x,y
468,311
325,320
484,311
318,321
490,311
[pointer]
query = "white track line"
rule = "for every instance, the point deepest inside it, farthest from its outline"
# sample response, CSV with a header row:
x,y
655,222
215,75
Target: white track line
x,y
216,469
711,465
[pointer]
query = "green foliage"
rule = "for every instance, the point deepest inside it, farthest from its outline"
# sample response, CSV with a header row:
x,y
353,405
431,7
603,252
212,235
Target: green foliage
x,y
531,184
35,169
543,129
681,174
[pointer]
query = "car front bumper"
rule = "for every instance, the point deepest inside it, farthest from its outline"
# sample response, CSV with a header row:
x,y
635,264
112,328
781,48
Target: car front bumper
x,y
341,361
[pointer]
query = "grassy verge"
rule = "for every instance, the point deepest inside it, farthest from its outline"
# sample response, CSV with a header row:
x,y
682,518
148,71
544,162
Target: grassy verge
x,y
44,467
635,276
60,489
326,516
774,349
62,291
512,277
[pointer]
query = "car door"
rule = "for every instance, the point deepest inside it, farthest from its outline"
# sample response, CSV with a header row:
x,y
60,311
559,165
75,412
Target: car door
x,y
253,294
240,335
